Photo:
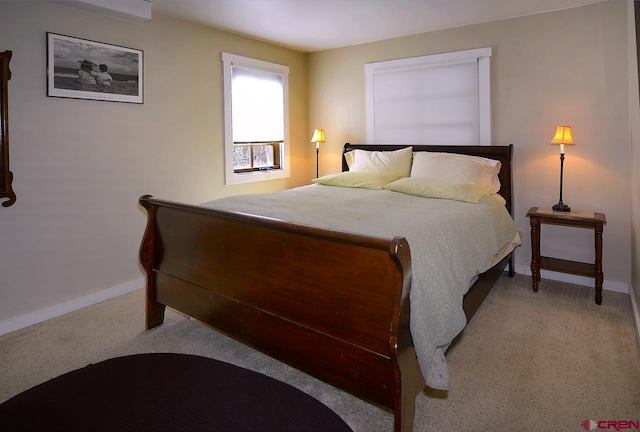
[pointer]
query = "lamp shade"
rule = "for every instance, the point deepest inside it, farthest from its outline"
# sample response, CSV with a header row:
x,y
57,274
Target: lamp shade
x,y
318,136
563,136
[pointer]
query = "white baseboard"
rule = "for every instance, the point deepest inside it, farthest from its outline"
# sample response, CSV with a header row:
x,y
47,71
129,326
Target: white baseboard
x,y
578,280
44,314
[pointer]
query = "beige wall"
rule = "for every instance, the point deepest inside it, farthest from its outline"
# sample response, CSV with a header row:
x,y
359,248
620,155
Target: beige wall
x,y
567,67
80,166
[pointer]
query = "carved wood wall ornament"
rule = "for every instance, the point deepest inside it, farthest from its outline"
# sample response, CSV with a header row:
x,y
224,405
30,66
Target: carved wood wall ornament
x,y
6,176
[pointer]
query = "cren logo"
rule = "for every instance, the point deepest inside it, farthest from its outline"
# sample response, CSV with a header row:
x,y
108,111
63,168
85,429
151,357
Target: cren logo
x,y
617,425
589,425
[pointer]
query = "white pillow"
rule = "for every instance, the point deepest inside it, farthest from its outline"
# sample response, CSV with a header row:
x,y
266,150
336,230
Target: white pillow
x,y
457,169
398,161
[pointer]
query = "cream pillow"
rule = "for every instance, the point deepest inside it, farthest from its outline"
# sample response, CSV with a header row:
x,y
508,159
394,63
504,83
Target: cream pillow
x,y
457,169
359,179
398,161
436,188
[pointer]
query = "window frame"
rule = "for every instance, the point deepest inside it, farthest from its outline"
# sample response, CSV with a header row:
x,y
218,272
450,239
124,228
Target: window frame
x,y
480,55
232,176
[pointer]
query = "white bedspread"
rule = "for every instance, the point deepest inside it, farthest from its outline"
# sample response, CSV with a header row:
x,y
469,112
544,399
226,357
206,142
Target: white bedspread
x,y
450,242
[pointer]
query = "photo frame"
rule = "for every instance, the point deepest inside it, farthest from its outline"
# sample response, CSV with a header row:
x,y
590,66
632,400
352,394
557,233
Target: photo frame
x,y
84,69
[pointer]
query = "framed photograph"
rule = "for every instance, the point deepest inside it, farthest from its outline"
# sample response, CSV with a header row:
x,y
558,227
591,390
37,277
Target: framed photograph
x,y
84,69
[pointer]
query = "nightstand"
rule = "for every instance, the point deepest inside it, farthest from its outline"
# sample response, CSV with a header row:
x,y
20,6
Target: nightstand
x,y
590,220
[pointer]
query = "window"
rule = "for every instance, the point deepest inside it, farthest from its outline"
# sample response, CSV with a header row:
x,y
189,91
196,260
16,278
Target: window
x,y
256,120
436,99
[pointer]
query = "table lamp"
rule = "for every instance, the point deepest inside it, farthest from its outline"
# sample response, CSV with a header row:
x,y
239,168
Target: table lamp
x,y
562,137
318,137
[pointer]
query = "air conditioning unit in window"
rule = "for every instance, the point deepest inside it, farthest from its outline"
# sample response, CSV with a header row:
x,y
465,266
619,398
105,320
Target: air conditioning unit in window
x,y
130,10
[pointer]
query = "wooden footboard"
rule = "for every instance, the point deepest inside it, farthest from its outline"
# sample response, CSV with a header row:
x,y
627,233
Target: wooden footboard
x,y
331,304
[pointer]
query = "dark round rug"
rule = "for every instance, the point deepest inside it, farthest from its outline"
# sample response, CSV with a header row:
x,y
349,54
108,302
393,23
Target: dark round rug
x,y
166,392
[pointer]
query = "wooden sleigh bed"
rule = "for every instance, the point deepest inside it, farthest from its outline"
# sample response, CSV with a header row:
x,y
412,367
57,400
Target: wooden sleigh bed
x,y
332,304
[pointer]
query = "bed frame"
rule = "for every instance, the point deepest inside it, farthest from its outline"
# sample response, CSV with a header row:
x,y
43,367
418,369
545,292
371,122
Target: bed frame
x,y
331,304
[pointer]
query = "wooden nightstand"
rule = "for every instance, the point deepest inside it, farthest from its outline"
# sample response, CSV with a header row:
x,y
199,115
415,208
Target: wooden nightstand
x,y
580,219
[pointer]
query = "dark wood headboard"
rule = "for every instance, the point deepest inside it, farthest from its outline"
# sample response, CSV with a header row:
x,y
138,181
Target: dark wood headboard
x,y
501,153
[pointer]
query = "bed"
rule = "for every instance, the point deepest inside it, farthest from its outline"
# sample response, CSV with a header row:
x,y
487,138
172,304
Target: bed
x,y
333,302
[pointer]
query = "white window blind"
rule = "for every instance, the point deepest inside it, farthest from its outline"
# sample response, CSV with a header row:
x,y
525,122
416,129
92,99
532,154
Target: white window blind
x,y
440,99
257,105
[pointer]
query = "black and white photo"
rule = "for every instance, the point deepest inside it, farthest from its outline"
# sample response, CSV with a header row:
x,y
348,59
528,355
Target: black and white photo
x,y
83,69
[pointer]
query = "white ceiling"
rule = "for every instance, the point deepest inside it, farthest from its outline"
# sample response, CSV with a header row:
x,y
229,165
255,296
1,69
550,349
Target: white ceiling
x,y
314,25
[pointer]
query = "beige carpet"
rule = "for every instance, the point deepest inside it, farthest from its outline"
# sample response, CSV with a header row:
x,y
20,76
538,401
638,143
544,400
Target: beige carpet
x,y
528,361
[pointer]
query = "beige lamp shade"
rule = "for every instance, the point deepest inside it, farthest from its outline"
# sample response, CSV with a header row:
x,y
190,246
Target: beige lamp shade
x,y
318,136
563,136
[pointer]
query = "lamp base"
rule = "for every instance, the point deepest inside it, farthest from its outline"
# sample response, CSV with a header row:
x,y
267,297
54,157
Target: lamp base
x,y
561,207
